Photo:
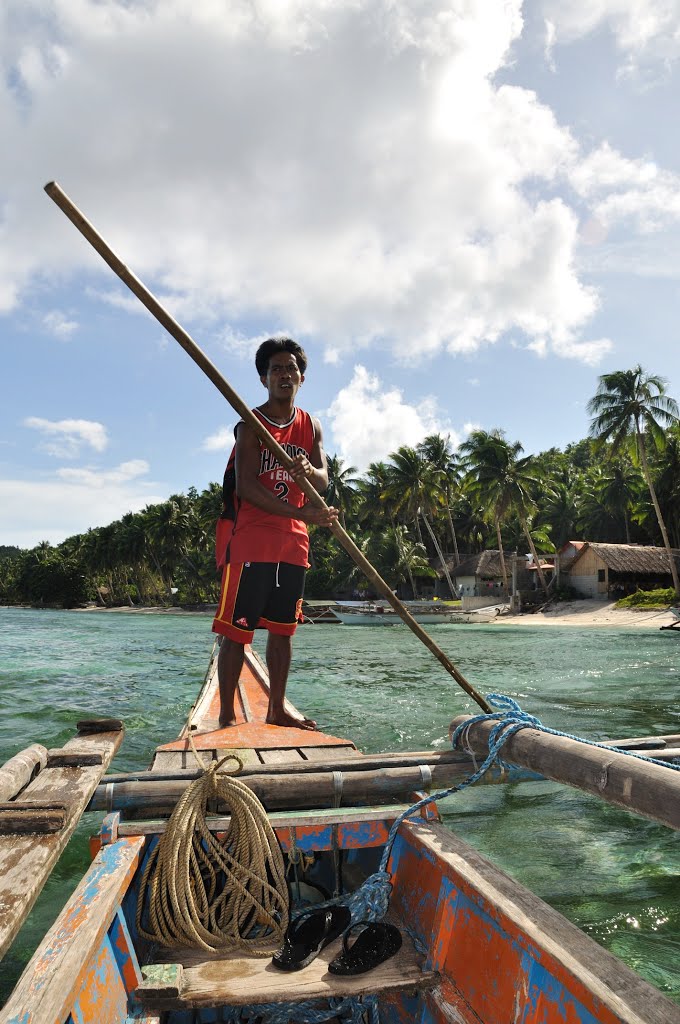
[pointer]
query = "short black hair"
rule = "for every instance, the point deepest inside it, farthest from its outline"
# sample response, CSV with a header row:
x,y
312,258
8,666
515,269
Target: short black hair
x,y
272,346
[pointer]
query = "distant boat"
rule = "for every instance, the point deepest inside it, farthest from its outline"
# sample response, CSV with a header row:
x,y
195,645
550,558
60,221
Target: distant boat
x,y
380,613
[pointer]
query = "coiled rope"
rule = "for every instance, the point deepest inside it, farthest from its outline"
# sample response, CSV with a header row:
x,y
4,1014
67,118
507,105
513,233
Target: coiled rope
x,y
219,895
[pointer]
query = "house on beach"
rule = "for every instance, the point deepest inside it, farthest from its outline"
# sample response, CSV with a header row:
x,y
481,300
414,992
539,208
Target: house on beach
x,y
614,570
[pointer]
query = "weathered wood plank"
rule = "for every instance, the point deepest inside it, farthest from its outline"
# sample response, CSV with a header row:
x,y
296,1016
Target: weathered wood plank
x,y
235,980
630,782
48,988
26,861
20,769
23,818
62,758
345,759
285,756
324,816
326,753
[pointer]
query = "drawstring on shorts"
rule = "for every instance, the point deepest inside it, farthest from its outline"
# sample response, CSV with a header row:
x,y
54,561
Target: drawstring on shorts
x,y
277,574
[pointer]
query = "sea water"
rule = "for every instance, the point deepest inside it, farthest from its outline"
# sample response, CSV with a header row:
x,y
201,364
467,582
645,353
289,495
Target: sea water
x,y
612,873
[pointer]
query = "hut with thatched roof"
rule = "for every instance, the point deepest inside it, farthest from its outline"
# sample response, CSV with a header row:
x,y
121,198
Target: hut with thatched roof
x,y
613,570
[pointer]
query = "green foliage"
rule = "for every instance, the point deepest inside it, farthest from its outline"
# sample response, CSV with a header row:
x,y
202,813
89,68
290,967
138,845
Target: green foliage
x,y
50,578
648,599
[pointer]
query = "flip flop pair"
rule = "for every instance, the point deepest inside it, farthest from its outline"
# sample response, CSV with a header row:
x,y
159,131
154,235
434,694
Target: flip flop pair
x,y
308,935
312,932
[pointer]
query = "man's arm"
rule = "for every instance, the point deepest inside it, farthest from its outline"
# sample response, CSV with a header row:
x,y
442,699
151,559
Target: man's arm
x,y
314,468
249,488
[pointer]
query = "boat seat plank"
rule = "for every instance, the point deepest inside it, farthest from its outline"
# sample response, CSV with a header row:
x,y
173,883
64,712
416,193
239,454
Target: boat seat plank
x,y
325,753
27,860
279,756
232,979
320,818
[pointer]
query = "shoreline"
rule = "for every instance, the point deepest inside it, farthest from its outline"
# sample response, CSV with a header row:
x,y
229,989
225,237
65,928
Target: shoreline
x,y
589,613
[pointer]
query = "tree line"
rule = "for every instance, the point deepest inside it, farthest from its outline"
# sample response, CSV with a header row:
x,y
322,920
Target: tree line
x,y
423,506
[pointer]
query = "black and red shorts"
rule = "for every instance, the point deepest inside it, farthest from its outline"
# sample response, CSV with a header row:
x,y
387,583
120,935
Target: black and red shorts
x,y
267,594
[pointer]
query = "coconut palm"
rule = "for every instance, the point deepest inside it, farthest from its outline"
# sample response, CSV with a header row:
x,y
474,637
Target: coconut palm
x,y
341,491
502,482
435,449
415,487
630,408
374,502
667,483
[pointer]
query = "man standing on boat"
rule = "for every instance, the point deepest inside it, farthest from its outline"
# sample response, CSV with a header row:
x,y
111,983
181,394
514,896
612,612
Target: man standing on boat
x,y
267,553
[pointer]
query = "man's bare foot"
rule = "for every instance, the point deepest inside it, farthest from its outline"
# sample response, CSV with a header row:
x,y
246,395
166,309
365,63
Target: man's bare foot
x,y
283,718
224,723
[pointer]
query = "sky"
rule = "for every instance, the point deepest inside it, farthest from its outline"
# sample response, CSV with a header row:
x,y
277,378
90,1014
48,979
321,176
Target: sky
x,y
464,210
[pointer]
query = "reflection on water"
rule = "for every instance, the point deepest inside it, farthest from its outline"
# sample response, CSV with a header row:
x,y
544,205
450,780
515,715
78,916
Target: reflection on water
x,y
613,874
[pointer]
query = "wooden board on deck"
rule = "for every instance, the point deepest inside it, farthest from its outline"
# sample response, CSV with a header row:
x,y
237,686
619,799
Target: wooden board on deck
x,y
235,980
27,860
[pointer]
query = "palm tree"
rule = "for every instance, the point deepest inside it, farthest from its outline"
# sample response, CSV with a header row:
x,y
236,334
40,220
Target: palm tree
x,y
341,490
415,487
667,477
436,450
502,482
374,501
629,407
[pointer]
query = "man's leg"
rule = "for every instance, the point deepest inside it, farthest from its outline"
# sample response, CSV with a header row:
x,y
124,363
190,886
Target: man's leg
x,y
229,665
279,654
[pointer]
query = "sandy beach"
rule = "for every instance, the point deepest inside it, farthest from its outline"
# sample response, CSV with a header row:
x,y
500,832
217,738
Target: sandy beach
x,y
599,614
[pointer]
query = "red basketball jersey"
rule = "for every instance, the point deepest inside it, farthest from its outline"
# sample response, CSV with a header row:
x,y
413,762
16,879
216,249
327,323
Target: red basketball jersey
x,y
259,536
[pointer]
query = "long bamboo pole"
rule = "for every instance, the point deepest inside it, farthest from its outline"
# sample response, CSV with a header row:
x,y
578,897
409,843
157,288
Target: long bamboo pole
x,y
147,299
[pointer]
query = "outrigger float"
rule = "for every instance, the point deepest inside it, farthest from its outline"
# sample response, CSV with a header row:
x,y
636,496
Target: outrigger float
x,y
477,948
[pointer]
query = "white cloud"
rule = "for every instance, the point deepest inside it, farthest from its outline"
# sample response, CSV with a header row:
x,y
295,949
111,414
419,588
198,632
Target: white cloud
x,y
221,441
65,438
644,30
32,511
58,323
620,189
398,202
105,478
369,422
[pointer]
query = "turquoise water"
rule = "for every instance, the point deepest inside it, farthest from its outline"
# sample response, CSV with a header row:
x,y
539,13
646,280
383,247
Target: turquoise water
x,y
613,874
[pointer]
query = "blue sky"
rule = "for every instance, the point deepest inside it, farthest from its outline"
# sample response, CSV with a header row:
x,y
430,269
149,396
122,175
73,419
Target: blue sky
x,y
465,211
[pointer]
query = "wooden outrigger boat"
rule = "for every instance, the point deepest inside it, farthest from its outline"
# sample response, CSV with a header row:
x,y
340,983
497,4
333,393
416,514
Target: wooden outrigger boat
x,y
478,948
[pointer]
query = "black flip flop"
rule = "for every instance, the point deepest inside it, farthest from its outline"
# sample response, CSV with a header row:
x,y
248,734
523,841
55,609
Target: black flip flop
x,y
308,935
376,943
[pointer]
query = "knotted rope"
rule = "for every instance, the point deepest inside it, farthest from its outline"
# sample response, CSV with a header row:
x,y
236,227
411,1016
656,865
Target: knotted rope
x,y
199,891
370,901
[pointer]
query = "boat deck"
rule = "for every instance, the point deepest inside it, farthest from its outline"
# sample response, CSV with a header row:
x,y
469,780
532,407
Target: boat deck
x,y
252,738
191,978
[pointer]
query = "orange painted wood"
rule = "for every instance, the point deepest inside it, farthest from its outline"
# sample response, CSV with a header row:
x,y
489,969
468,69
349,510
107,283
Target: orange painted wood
x,y
254,735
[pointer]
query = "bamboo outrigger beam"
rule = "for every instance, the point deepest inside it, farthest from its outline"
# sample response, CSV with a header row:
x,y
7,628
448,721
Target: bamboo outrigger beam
x,y
302,790
631,782
191,348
